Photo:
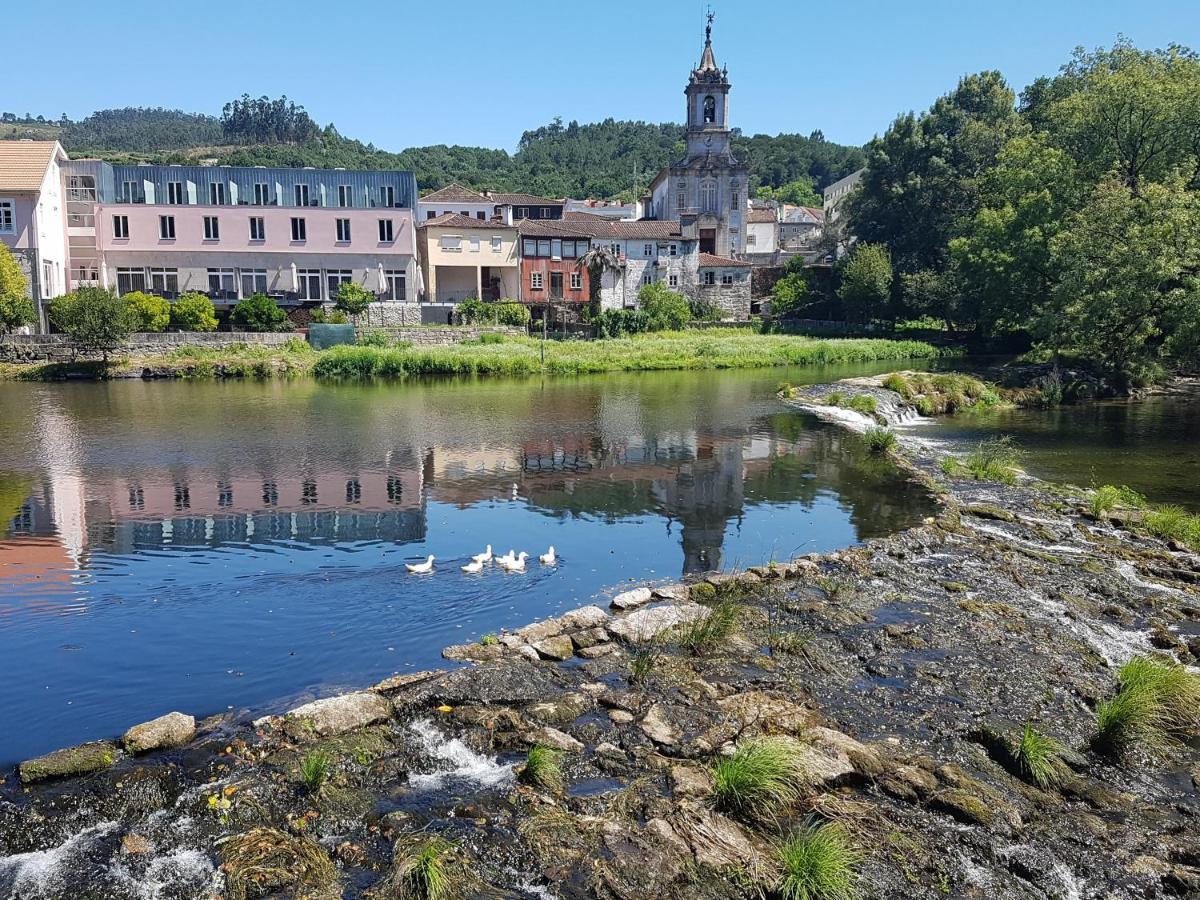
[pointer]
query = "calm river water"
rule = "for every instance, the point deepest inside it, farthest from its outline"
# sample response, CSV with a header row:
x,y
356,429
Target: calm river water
x,y
213,546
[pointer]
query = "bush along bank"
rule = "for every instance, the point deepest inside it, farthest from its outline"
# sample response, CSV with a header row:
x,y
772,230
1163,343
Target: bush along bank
x,y
994,701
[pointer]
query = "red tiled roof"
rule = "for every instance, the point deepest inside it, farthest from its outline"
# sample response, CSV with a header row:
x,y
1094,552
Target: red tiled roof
x,y
23,164
456,220
709,261
505,199
455,193
587,225
760,216
565,227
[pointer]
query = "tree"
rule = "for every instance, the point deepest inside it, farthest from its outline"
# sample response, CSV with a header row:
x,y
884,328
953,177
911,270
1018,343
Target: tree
x,y
16,310
597,261
789,295
260,313
665,310
353,299
151,313
866,282
798,193
193,311
94,319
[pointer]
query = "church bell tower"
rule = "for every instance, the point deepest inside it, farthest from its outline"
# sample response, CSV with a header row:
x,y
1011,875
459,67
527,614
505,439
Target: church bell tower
x,y
708,107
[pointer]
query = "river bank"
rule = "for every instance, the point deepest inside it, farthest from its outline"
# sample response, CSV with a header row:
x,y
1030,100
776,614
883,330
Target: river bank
x,y
489,355
904,670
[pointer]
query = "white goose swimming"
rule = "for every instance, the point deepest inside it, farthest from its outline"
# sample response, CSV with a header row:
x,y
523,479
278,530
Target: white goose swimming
x,y
514,565
548,558
484,557
476,565
506,559
421,568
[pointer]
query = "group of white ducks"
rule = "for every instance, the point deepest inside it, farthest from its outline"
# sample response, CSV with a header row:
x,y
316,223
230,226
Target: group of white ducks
x,y
509,562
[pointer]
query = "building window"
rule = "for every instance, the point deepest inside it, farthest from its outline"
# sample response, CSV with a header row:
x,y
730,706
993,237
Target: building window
x,y
8,217
647,250
431,214
308,284
481,216
556,249
528,247
543,249
264,195
301,193
450,243
395,489
708,196
137,497
497,244
673,280
520,212
164,282
308,491
224,494
343,230
221,284
81,188
674,250
345,196
129,280
474,239
577,281
386,234
258,230
299,229
726,278
647,278
216,193
387,196
751,240
212,228
710,110
183,497
710,278
175,193
254,281
129,192
681,200
535,281
394,279
166,228
336,278
733,200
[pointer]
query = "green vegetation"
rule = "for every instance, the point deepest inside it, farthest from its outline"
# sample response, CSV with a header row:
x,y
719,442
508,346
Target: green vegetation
x,y
644,660
800,192
543,768
818,862
423,868
1039,757
502,312
95,320
265,861
863,403
707,634
879,440
1107,497
16,310
151,312
866,281
995,459
193,311
353,299
665,309
1174,523
760,777
260,313
898,383
1157,702
489,640
314,769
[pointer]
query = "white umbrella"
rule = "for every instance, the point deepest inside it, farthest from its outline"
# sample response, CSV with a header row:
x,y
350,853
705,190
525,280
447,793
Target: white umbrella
x,y
295,279
420,281
104,274
382,280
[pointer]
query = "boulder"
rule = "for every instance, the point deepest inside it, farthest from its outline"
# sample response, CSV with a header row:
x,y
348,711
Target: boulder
x,y
539,631
474,652
505,682
691,781
589,637
172,730
559,740
632,599
599,650
620,716
558,647
562,709
656,727
72,761
676,593
408,679
337,715
647,624
584,617
716,842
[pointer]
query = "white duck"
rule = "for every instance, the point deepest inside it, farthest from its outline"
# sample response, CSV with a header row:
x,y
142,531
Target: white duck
x,y
506,560
473,567
548,558
421,568
515,565
484,557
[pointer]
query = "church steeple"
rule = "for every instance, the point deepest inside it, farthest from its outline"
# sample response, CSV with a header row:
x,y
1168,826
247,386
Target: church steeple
x,y
708,133
707,61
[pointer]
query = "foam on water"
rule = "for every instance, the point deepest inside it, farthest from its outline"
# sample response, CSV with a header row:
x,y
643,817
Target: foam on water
x,y
1129,573
43,873
463,762
167,875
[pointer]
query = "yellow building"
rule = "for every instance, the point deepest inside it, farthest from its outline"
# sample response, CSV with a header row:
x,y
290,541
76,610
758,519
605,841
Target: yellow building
x,y
462,257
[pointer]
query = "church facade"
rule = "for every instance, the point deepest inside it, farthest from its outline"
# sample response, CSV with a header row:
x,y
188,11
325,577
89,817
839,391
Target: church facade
x,y
706,190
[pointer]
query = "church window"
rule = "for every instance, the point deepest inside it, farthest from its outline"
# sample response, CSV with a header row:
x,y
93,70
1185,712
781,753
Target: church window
x,y
710,110
681,200
708,196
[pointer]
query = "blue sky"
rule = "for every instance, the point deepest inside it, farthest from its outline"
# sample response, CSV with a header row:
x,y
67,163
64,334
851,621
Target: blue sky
x,y
401,74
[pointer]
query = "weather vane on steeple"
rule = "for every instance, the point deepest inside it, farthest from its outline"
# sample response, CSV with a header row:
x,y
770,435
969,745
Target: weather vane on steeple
x,y
708,28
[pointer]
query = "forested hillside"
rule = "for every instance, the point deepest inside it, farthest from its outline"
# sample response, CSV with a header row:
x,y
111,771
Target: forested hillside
x,y
604,159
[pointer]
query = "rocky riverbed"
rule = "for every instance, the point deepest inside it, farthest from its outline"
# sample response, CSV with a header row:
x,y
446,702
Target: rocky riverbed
x,y
902,668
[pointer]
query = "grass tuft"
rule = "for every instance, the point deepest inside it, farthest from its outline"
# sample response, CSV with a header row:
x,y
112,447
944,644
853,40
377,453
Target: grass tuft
x,y
863,403
1174,523
314,769
759,778
644,660
543,768
424,867
818,862
1039,757
1107,497
898,383
705,635
265,861
995,459
1157,703
879,440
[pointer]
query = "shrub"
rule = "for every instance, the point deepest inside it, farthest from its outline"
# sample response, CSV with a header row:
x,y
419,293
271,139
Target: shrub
x,y
150,312
665,309
491,337
789,295
1156,702
1107,497
543,768
260,313
194,312
375,338
317,316
758,778
704,635
352,299
471,311
1039,758
835,398
614,323
879,440
705,311
314,769
817,862
512,313
993,460
898,383
16,311
94,319
423,868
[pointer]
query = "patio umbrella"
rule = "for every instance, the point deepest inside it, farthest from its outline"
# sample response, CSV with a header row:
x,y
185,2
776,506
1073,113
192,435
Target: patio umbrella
x,y
295,279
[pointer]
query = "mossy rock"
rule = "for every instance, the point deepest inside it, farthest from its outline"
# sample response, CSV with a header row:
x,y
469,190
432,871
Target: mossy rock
x,y
987,511
955,587
702,592
72,761
965,806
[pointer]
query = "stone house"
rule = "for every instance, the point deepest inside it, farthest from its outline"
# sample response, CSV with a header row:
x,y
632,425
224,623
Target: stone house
x,y
725,283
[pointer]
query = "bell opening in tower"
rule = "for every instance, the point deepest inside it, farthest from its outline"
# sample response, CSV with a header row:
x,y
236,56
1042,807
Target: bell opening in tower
x,y
710,110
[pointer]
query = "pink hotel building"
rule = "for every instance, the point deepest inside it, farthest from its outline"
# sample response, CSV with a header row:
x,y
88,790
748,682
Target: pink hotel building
x,y
226,231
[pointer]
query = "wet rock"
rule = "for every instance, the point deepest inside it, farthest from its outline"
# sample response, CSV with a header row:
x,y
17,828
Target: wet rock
x,y
635,866
647,624
1183,881
584,617
400,682
506,682
562,709
599,650
539,631
620,716
831,757
916,779
473,652
656,727
691,781
559,647
559,740
632,599
337,715
988,511
71,761
172,730
135,845
529,652
716,842
964,806
676,593
589,637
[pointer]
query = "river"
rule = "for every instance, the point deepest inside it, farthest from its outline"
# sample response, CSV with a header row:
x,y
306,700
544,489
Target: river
x,y
216,546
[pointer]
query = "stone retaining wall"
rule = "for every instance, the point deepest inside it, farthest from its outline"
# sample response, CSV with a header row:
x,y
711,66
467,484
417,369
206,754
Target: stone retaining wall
x,y
29,348
443,336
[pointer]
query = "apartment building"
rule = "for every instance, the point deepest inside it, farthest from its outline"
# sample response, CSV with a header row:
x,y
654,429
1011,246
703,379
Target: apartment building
x,y
31,215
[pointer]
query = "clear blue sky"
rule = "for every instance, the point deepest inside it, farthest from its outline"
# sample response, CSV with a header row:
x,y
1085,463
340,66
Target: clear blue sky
x,y
479,73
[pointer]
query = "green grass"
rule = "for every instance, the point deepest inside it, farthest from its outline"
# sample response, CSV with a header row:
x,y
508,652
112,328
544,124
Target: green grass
x,y
314,769
879,440
489,640
761,777
1039,757
644,660
1107,497
863,403
705,635
1157,703
265,861
817,862
543,768
995,459
899,383
1174,523
423,868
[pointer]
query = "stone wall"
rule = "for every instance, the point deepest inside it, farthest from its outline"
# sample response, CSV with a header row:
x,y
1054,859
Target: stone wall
x,y
443,336
732,299
22,348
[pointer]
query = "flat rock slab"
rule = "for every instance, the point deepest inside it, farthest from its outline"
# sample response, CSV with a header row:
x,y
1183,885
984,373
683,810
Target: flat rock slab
x,y
632,599
475,652
558,647
337,715
72,761
400,682
584,617
559,740
647,624
539,631
656,727
172,730
677,593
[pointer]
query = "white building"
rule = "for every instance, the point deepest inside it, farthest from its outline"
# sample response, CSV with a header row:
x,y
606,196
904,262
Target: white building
x,y
762,229
455,200
33,221
837,192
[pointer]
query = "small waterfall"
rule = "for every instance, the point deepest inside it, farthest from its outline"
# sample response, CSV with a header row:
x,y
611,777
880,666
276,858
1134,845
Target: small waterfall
x,y
48,873
463,762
